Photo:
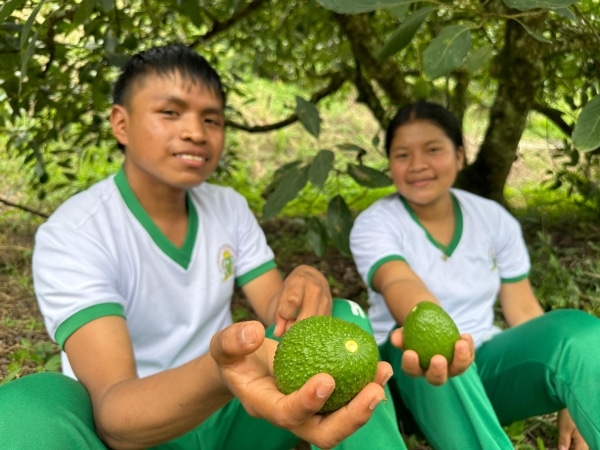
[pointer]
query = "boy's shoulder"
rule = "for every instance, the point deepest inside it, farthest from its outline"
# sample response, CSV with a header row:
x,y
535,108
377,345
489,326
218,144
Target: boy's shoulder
x,y
88,202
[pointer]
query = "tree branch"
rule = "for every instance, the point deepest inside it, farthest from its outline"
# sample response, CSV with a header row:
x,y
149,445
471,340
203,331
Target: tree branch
x,y
24,208
368,96
364,44
219,27
336,81
555,116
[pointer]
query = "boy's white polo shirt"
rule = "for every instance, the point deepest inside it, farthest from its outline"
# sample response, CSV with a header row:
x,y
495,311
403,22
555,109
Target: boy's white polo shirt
x,y
100,254
487,249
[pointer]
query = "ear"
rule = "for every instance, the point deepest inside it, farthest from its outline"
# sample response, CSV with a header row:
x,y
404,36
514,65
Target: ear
x,y
119,120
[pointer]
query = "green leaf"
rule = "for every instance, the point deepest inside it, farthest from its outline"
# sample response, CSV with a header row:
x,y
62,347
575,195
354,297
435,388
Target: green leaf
x,y
83,12
25,57
53,363
447,51
525,5
478,58
320,168
105,5
404,33
565,12
316,235
8,7
28,25
361,6
309,116
286,190
339,224
534,34
368,177
400,11
586,134
194,13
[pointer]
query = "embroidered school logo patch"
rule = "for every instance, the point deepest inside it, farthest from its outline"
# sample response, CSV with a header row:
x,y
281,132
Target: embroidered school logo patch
x,y
226,261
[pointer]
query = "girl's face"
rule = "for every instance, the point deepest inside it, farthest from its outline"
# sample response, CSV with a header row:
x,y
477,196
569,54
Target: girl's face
x,y
424,162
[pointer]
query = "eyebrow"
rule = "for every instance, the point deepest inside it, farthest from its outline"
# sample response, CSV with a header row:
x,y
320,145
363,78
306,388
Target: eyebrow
x,y
432,141
182,103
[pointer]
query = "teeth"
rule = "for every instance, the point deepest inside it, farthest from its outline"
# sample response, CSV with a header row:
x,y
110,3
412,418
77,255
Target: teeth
x,y
192,157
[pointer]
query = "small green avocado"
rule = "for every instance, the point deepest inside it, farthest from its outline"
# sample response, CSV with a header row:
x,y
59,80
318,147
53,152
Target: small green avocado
x,y
429,330
323,344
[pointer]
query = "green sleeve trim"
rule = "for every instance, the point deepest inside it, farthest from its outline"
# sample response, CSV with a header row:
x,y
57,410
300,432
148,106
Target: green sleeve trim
x,y
380,263
515,279
80,318
255,273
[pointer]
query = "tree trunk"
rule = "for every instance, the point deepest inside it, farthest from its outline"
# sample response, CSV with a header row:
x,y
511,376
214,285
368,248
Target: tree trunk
x,y
520,72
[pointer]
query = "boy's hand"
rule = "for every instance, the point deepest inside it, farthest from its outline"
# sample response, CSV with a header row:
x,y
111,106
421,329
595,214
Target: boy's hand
x,y
244,359
439,370
305,293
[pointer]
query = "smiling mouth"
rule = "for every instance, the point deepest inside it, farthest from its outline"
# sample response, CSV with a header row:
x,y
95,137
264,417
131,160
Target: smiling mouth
x,y
191,157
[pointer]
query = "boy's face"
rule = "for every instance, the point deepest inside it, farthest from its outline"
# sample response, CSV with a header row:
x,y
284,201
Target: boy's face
x,y
173,131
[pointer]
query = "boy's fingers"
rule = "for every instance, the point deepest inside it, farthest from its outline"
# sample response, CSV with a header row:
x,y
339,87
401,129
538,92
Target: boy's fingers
x,y
237,340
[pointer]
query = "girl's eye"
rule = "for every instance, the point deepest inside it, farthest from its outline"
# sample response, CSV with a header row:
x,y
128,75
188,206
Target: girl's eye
x,y
169,112
400,155
433,149
212,121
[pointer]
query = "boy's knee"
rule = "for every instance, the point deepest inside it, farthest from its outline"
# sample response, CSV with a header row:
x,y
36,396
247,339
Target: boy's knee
x,y
57,406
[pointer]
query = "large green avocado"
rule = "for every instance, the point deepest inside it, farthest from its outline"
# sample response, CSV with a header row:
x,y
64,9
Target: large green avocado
x,y
323,344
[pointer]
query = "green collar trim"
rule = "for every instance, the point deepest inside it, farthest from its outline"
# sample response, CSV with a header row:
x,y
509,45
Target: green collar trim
x,y
458,218
181,256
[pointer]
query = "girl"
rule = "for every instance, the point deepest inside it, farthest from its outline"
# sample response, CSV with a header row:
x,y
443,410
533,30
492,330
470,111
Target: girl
x,y
432,242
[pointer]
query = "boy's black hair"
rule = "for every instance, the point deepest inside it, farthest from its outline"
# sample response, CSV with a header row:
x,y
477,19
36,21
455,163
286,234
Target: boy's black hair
x,y
432,112
166,60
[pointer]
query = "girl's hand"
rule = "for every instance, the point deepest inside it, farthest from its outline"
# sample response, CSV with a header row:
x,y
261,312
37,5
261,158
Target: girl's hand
x,y
439,369
568,434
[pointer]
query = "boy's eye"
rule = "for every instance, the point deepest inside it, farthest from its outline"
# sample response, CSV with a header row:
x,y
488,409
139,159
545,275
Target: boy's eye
x,y
169,112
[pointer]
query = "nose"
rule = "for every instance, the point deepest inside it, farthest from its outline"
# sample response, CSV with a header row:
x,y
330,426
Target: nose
x,y
418,162
192,129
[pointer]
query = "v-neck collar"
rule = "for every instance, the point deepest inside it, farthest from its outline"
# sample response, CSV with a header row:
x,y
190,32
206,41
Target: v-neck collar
x,y
181,255
447,250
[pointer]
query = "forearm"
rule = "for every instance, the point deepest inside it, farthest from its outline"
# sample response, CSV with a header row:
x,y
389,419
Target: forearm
x,y
140,413
519,303
402,295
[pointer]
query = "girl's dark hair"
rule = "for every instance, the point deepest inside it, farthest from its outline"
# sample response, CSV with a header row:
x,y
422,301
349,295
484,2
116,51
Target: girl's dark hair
x,y
165,61
429,111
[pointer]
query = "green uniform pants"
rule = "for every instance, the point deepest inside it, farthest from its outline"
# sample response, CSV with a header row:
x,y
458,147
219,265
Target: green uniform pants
x,y
53,412
539,367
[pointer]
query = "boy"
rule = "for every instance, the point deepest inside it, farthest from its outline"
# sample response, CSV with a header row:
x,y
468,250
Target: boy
x,y
134,278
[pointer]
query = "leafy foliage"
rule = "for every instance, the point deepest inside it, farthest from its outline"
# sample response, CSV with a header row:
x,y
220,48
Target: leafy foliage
x,y
60,58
